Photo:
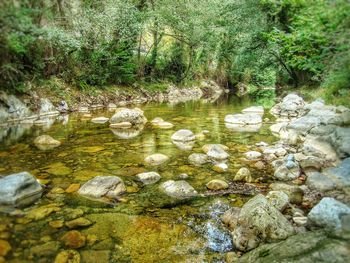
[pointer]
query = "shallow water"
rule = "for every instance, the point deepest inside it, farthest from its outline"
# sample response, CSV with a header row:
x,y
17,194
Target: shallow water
x,y
144,226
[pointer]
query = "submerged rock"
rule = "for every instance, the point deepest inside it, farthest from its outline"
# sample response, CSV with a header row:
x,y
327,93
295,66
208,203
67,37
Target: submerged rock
x,y
68,256
183,136
148,178
134,116
198,159
259,222
178,189
216,153
74,239
161,124
19,190
206,148
217,184
46,142
110,187
156,159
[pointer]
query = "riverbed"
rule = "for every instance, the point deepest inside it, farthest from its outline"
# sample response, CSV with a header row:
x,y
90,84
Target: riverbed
x,y
142,226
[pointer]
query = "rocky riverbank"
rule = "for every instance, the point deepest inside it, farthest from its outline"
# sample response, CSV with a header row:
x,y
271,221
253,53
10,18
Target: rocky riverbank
x,y
38,104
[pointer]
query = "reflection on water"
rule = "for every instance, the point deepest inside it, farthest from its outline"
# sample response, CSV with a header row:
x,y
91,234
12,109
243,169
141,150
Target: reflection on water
x,y
160,228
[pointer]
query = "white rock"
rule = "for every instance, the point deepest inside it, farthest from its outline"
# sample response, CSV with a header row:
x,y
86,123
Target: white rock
x,y
148,178
183,136
99,120
156,159
252,155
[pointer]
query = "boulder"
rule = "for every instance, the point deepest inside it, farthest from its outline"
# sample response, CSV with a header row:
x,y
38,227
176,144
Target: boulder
x,y
315,246
254,109
244,175
99,120
278,199
20,189
320,182
198,159
311,162
328,212
148,178
183,136
340,139
217,184
294,192
259,222
178,189
110,187
340,174
156,159
318,147
291,106
244,119
63,107
46,142
47,108
134,116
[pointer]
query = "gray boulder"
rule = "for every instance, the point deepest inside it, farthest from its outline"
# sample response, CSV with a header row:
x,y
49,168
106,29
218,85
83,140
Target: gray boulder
x,y
178,189
148,178
134,116
19,190
259,222
328,212
291,106
110,187
320,182
340,174
183,136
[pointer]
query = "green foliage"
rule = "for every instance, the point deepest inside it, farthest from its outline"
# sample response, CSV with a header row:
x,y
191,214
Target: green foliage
x,y
262,96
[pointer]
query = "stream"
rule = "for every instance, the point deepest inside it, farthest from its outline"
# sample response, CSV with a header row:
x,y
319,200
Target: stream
x,y
143,226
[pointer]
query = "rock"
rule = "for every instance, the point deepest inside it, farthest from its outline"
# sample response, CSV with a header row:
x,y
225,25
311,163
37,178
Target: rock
x,y
259,165
244,119
206,148
216,153
83,109
278,199
121,125
99,120
178,189
56,223
148,178
47,108
110,187
284,173
311,162
12,109
230,217
340,174
328,212
63,107
254,109
243,128
217,184
78,222
308,247
5,248
156,159
46,142
341,141
42,212
185,146
72,188
320,182
278,151
198,159
220,167
74,239
291,106
183,136
47,249
259,222
127,132
19,190
68,256
252,155
134,116
277,127
161,124
300,220
294,192
314,146
244,175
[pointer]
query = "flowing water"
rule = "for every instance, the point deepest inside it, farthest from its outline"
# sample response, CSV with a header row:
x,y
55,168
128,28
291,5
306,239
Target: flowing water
x,y
144,226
